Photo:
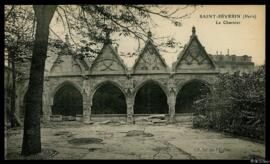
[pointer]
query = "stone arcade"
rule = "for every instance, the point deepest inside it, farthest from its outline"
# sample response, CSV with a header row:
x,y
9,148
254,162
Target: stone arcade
x,y
193,67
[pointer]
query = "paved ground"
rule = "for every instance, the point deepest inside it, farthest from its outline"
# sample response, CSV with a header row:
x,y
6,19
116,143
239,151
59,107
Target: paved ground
x,y
73,140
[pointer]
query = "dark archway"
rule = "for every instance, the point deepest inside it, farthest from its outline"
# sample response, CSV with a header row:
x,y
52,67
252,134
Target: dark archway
x,y
109,99
68,101
189,93
151,99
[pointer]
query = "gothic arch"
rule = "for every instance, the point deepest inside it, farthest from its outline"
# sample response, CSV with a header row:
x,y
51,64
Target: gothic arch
x,y
52,94
141,97
137,88
97,86
189,92
67,100
194,80
103,106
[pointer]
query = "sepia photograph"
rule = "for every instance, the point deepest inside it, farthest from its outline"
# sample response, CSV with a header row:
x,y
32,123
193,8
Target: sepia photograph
x,y
128,81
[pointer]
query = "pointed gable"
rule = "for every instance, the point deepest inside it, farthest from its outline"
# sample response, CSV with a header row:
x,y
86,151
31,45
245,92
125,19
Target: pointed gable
x,y
65,61
108,62
66,64
150,60
194,57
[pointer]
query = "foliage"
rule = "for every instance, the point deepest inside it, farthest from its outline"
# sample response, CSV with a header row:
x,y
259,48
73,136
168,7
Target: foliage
x,y
236,105
94,23
19,30
18,44
88,27
19,36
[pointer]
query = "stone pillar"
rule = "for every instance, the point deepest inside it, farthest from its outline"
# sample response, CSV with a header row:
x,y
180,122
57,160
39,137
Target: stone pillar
x,y
129,100
86,109
171,99
47,112
130,110
87,99
171,104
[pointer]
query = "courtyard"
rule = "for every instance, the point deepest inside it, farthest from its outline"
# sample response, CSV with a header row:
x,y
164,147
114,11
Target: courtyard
x,y
119,140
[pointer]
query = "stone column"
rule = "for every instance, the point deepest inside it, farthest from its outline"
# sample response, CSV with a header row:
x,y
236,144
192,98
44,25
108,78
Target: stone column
x,y
47,108
87,99
129,100
171,104
86,109
130,110
171,99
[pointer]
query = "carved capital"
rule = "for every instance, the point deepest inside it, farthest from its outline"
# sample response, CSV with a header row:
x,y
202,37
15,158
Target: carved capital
x,y
128,87
128,91
172,86
85,77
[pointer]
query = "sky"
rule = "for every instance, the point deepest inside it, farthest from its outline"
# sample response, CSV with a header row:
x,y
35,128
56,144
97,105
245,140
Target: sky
x,y
245,37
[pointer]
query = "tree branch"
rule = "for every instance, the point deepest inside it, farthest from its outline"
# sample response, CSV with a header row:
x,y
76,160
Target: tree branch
x,y
55,34
124,27
10,11
69,28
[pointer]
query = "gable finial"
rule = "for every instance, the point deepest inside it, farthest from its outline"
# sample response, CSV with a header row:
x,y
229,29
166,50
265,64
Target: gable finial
x,y
107,36
149,34
193,30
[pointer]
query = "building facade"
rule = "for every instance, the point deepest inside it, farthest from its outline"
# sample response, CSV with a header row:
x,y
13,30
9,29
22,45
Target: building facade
x,y
72,86
232,63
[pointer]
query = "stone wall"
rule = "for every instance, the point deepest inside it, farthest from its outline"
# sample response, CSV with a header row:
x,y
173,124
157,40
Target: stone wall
x,y
128,84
